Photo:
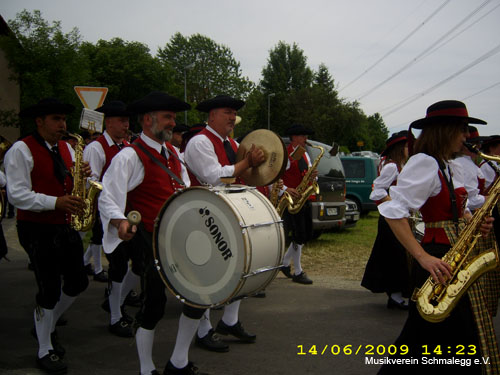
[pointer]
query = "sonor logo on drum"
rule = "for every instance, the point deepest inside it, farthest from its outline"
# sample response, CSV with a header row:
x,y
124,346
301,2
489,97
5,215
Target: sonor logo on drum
x,y
213,229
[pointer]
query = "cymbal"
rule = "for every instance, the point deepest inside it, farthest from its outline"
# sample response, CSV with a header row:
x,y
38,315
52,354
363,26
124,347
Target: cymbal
x,y
275,153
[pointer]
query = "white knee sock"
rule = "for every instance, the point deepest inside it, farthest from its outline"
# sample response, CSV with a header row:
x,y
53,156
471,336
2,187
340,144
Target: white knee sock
x,y
96,254
297,267
231,311
288,255
130,281
114,301
205,324
185,333
144,339
43,326
64,303
87,255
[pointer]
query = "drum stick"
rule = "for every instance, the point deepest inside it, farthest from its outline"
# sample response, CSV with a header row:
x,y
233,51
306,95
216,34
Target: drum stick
x,y
134,217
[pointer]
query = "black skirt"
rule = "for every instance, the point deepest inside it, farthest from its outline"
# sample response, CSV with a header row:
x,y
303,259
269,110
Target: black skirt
x,y
387,268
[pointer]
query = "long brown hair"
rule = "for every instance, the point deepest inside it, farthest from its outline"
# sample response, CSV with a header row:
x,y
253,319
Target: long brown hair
x,y
434,140
397,154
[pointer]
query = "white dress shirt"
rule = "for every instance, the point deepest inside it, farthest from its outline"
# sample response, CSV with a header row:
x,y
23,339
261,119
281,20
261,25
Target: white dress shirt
x,y
471,174
18,166
202,160
95,155
124,174
489,173
417,182
383,182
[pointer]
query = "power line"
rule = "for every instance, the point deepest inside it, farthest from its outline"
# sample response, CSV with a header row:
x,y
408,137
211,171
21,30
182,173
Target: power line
x,y
425,52
397,45
481,91
413,98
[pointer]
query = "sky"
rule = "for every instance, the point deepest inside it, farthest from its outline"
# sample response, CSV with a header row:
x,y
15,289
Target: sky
x,y
395,57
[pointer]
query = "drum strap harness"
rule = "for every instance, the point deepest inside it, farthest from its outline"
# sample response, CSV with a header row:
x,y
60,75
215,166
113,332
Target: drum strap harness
x,y
160,164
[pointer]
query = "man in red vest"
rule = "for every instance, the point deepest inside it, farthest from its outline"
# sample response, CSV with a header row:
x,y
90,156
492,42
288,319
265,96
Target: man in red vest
x,y
40,185
210,155
300,224
142,177
99,155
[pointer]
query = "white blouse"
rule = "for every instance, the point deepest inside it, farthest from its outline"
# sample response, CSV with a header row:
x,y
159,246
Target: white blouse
x,y
383,182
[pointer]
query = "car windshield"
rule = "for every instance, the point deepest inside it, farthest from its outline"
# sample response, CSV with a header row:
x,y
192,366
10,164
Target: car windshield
x,y
329,165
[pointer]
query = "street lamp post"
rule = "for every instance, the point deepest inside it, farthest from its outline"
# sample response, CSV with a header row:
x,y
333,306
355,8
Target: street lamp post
x,y
190,66
269,110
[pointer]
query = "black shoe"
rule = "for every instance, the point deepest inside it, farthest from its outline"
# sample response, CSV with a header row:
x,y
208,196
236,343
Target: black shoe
x,y
125,315
392,304
190,369
57,348
211,341
236,330
301,278
154,372
261,294
52,363
286,271
121,328
101,277
89,270
133,299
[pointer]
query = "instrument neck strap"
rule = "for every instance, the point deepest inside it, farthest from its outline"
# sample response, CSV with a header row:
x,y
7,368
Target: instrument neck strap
x,y
160,164
451,190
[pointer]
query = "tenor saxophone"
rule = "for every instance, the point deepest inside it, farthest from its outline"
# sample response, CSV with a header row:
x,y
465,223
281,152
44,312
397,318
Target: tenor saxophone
x,y
308,185
83,221
436,301
280,203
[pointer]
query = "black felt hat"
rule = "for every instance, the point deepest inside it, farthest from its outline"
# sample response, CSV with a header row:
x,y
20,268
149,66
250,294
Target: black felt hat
x,y
474,135
158,101
114,108
298,129
180,128
394,139
443,110
492,139
47,106
220,101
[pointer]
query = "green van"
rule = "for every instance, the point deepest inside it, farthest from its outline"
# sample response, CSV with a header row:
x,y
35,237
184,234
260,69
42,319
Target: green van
x,y
360,172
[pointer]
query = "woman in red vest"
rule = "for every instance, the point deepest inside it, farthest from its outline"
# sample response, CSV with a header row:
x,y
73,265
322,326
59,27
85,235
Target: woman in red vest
x,y
432,182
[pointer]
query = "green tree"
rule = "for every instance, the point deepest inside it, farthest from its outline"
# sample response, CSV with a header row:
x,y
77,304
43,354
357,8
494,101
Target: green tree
x,y
45,61
210,69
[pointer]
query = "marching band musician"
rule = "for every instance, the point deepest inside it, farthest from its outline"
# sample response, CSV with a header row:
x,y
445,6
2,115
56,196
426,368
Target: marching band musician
x,y
122,279
142,178
210,155
434,184
40,186
300,224
387,268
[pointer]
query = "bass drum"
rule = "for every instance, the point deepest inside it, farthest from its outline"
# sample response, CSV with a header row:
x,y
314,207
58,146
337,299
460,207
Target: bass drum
x,y
216,245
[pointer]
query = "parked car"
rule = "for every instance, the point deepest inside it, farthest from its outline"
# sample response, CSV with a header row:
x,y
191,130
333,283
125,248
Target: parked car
x,y
351,213
360,171
328,208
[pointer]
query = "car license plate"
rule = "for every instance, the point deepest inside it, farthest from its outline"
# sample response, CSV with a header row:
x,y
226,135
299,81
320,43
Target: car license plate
x,y
356,217
332,211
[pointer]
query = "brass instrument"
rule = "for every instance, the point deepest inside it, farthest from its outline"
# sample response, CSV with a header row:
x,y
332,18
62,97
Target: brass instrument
x,y
308,185
280,204
83,222
436,301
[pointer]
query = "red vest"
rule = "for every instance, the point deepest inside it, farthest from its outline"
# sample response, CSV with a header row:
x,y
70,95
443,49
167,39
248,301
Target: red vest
x,y
219,151
293,176
157,186
44,181
109,152
438,208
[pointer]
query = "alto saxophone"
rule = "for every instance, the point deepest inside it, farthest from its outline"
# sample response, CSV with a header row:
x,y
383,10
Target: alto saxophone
x,y
280,204
436,301
308,185
83,221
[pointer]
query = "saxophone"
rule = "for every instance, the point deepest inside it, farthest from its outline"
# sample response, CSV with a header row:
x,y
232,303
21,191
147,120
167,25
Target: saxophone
x,y
436,301
308,185
280,204
83,221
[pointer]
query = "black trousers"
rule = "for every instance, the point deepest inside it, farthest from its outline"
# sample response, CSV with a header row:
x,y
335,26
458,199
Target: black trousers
x,y
119,258
153,288
300,224
56,252
97,231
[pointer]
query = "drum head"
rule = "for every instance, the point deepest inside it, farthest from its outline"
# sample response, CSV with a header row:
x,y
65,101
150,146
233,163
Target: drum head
x,y
199,245
275,153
